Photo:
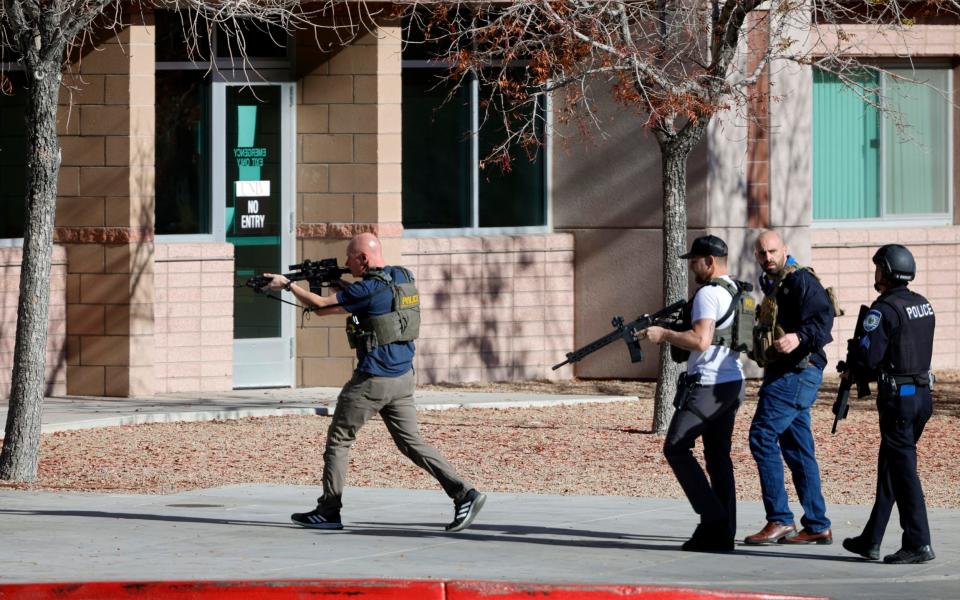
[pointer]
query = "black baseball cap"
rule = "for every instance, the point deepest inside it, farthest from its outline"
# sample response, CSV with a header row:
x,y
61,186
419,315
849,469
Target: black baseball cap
x,y
706,245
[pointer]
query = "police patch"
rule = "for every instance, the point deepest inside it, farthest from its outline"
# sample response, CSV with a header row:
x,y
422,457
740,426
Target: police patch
x,y
871,321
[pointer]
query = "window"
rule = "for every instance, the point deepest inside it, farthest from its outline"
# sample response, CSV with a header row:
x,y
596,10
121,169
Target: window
x,y
892,164
182,153
13,151
184,114
443,184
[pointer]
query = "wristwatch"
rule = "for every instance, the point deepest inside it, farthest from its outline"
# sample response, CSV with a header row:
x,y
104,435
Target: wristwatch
x,y
287,286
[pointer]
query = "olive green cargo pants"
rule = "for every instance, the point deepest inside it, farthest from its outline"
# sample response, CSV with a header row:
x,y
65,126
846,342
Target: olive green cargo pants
x,y
392,397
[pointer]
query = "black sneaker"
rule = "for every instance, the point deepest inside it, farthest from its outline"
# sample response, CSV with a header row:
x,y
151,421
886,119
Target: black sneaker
x,y
857,545
465,511
319,518
905,556
710,537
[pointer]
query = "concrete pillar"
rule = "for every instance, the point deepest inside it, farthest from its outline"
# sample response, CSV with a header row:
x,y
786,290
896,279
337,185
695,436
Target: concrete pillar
x,y
348,173
105,215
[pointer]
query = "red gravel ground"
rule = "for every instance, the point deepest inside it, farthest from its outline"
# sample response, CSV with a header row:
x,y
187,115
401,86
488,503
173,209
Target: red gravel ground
x,y
604,449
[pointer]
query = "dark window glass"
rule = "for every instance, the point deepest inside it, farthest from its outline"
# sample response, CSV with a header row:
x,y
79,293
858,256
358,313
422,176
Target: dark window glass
x,y
253,40
436,153
13,149
182,153
514,197
424,39
438,168
171,31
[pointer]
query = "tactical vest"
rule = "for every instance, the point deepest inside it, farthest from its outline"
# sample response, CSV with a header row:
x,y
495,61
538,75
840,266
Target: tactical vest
x,y
910,348
767,328
738,335
401,324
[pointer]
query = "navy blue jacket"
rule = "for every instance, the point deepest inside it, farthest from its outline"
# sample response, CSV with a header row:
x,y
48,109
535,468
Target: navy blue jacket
x,y
362,299
805,309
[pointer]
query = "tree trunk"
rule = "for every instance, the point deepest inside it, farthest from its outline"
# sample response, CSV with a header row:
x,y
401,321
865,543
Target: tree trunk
x,y
21,444
674,158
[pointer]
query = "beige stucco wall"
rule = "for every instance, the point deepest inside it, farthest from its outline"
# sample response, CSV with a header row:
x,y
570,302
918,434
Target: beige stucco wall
x,y
607,194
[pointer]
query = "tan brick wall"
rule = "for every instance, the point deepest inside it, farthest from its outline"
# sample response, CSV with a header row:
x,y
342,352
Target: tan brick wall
x,y
842,258
105,215
348,132
348,174
193,324
56,356
494,308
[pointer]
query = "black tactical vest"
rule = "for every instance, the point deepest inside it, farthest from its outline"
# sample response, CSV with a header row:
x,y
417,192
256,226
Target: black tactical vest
x,y
910,347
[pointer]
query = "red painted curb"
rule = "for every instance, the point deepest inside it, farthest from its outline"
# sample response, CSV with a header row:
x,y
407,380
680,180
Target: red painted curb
x,y
356,589
328,589
481,590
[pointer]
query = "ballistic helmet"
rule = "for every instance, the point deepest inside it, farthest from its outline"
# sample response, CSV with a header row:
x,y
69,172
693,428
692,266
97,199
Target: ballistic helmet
x,y
896,263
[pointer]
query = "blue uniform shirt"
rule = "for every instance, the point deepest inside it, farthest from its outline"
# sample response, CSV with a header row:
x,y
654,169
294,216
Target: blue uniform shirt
x,y
365,299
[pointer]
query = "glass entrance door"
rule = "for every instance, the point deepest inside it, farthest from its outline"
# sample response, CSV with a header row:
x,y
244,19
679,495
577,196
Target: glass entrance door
x,y
254,179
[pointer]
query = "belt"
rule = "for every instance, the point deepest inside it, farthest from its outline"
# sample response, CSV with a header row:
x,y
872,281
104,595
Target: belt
x,y
922,380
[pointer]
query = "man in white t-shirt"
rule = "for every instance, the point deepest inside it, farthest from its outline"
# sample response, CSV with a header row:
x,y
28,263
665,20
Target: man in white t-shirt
x,y
708,396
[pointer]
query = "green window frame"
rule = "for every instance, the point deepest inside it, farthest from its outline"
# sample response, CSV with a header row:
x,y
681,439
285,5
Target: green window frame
x,y
882,151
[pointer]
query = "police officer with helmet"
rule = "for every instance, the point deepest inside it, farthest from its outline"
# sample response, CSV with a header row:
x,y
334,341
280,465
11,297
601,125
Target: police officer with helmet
x,y
385,318
896,347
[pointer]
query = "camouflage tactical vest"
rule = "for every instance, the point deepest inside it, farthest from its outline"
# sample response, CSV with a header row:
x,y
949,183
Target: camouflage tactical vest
x,y
767,328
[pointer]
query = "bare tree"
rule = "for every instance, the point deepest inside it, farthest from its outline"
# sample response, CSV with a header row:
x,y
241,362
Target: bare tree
x,y
674,64
42,39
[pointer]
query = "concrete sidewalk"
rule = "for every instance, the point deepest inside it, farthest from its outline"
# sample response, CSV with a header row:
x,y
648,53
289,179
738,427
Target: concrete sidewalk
x,y
243,532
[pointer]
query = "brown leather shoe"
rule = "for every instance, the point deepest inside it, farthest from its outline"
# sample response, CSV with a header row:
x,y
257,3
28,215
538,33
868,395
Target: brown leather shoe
x,y
771,534
808,537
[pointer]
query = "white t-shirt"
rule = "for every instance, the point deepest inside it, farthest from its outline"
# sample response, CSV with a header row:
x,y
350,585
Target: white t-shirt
x,y
718,364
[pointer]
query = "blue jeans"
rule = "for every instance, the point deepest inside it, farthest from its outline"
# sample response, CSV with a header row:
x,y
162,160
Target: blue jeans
x,y
782,425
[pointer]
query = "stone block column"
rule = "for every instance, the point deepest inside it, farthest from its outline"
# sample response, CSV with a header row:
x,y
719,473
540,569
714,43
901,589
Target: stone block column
x,y
348,173
105,215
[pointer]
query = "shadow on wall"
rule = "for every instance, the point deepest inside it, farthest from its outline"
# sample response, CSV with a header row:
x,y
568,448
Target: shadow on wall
x,y
10,260
490,337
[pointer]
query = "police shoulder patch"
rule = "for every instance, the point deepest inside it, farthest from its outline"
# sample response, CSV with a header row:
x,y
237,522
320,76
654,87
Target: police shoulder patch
x,y
872,320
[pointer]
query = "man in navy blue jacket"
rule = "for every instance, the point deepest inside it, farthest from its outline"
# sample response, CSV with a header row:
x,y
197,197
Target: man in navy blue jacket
x,y
383,382
791,378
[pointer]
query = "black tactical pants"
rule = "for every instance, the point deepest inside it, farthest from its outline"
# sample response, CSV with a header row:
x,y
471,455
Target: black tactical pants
x,y
902,419
708,412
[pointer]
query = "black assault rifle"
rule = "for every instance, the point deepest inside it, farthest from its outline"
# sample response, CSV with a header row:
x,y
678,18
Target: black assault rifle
x,y
667,317
319,273
842,405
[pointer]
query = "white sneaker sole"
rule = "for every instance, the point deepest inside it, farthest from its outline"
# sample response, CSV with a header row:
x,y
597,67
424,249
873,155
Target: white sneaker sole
x,y
327,526
474,510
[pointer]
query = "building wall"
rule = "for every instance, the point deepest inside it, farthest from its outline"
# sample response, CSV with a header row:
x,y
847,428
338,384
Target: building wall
x,y
193,323
348,172
56,368
105,214
607,193
496,308
842,258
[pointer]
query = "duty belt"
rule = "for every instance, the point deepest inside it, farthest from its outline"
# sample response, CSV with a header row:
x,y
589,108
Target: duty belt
x,y
921,380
